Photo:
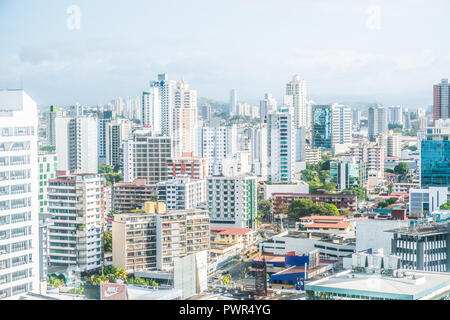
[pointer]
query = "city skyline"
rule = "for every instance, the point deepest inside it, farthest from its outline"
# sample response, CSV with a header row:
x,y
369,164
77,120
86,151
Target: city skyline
x,y
119,57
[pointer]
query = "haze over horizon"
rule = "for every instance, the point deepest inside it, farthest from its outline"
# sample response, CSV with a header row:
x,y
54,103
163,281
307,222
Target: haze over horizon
x,y
374,51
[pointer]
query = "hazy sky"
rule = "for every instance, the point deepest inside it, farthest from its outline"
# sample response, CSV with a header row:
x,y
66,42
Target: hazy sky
x,y
390,52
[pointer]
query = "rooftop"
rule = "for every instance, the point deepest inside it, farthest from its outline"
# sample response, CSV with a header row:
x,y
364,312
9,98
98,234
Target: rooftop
x,y
231,231
339,225
424,229
415,284
337,218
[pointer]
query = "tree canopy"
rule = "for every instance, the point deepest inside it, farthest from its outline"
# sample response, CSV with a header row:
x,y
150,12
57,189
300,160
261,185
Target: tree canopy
x,y
445,206
402,168
305,207
360,192
107,240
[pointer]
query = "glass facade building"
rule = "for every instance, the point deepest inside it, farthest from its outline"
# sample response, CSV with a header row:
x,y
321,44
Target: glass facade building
x,y
435,161
321,127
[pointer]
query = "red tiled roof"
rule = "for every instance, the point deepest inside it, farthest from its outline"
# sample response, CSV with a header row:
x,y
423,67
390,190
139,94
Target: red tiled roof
x,y
338,218
338,225
231,231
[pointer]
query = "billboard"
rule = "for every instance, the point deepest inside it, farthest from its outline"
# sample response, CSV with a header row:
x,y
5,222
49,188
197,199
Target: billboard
x,y
113,291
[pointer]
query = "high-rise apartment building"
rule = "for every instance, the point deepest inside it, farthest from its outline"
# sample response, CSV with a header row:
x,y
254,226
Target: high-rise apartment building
x,y
117,131
281,146
151,109
48,165
215,144
50,117
296,88
259,159
267,105
77,143
156,238
145,156
233,102
393,145
166,91
134,241
103,120
395,115
232,201
185,118
341,124
378,121
300,144
187,165
76,203
19,207
128,196
441,100
182,193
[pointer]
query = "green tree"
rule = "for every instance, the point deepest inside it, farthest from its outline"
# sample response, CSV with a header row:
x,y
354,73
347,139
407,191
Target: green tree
x,y
121,274
110,270
310,175
390,188
314,186
300,208
388,170
402,168
264,209
306,207
445,206
226,279
55,282
107,241
329,186
103,168
360,192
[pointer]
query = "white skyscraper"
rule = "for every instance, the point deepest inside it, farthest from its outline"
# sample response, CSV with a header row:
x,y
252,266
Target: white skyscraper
x,y
166,90
297,89
281,146
151,109
185,119
341,124
19,208
233,102
267,105
77,143
215,144
258,136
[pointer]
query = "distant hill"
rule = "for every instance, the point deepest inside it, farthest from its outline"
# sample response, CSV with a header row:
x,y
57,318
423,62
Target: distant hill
x,y
215,105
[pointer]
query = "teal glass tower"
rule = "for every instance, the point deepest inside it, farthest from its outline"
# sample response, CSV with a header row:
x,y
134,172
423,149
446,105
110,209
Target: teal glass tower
x,y
435,159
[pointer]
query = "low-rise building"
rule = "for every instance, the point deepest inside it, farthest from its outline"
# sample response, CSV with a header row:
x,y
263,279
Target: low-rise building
x,y
227,241
399,284
299,187
341,201
326,224
331,246
403,187
423,246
